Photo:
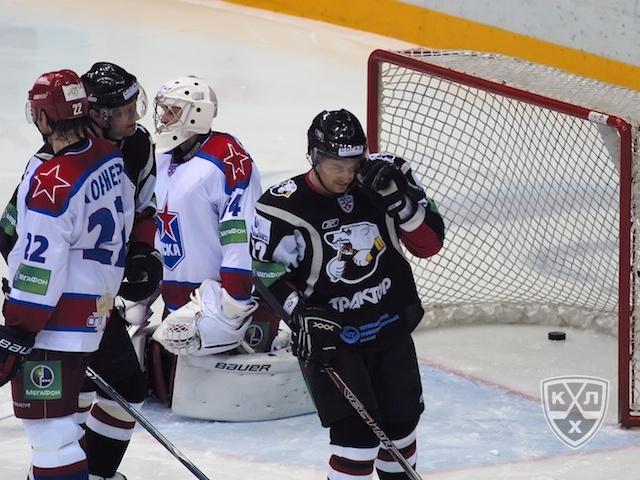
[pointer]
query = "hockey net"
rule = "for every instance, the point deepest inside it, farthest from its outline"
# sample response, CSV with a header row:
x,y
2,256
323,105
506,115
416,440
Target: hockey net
x,y
534,171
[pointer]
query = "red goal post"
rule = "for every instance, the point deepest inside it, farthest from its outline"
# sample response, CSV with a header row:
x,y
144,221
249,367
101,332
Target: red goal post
x,y
535,171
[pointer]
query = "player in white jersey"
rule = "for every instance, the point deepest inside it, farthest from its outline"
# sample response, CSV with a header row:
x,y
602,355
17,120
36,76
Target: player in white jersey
x,y
116,101
206,190
76,212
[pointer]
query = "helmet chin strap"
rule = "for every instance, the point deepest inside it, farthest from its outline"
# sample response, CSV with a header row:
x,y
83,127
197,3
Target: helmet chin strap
x,y
314,164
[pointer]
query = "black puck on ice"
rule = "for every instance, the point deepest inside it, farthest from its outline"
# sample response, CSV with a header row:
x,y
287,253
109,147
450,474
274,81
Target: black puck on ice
x,y
557,335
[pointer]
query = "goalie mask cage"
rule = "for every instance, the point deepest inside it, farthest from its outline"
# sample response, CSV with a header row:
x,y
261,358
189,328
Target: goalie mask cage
x,y
534,171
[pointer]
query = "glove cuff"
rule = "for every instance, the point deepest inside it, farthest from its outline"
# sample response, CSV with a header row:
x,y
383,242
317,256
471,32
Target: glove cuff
x,y
414,217
15,337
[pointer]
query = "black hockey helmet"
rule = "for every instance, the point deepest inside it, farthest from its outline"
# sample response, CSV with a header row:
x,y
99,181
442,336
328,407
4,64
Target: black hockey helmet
x,y
109,85
336,134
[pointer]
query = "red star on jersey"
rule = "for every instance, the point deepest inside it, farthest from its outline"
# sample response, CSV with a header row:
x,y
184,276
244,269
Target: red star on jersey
x,y
48,182
236,161
167,218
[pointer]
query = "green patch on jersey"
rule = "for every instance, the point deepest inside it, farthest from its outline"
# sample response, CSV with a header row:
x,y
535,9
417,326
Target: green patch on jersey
x,y
9,220
43,380
32,279
233,231
268,272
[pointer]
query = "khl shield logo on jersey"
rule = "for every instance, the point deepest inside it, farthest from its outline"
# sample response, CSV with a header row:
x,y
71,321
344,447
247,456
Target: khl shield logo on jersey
x,y
168,224
575,407
358,249
346,203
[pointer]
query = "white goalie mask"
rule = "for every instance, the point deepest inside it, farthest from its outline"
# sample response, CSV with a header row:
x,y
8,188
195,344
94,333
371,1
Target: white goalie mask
x,y
183,107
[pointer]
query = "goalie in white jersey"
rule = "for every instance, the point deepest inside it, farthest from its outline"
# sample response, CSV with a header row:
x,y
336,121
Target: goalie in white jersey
x,y
76,212
206,189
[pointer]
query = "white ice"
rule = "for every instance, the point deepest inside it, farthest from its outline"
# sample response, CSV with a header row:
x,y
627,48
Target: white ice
x,y
272,74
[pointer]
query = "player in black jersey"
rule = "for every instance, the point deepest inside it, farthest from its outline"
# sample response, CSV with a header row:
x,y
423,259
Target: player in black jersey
x,y
328,244
116,102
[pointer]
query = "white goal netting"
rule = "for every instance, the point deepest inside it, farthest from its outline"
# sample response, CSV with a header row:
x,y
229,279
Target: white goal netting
x,y
524,163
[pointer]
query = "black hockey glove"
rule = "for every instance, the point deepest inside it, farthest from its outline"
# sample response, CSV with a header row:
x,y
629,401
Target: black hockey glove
x,y
316,334
389,182
143,272
384,184
15,346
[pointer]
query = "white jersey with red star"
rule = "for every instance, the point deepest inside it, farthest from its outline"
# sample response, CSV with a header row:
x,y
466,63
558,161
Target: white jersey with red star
x,y
75,213
204,207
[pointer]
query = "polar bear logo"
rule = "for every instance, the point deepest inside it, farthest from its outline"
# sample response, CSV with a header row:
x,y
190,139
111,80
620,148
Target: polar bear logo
x,y
284,189
358,248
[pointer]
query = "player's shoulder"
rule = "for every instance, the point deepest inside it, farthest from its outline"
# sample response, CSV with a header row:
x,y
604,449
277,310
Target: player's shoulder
x,y
230,157
55,181
95,150
44,154
141,140
138,148
142,132
285,192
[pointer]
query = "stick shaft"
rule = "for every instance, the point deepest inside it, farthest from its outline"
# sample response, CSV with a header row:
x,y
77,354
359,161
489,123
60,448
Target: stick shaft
x,y
142,420
343,388
371,423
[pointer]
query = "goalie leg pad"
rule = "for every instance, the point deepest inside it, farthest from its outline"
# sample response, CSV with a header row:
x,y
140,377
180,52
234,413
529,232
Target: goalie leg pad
x,y
240,388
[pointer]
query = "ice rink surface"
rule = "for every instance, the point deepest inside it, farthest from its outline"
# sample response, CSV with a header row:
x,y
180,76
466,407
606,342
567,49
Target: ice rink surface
x,y
272,74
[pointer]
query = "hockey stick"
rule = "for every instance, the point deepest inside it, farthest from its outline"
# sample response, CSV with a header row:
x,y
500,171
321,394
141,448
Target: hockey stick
x,y
357,405
109,390
371,423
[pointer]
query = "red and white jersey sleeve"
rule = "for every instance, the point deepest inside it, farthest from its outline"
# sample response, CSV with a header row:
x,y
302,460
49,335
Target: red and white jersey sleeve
x,y
75,213
205,206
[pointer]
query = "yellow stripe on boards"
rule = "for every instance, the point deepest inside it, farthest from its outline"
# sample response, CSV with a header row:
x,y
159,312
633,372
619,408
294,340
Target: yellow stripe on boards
x,y
428,28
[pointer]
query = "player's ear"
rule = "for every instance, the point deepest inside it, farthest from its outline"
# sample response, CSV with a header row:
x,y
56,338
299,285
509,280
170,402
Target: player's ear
x,y
95,115
43,123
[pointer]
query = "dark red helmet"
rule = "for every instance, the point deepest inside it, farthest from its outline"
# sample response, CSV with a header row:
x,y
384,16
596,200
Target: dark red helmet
x,y
60,94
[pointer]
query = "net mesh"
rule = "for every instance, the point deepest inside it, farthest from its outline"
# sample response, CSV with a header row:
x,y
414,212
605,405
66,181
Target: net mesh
x,y
530,196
